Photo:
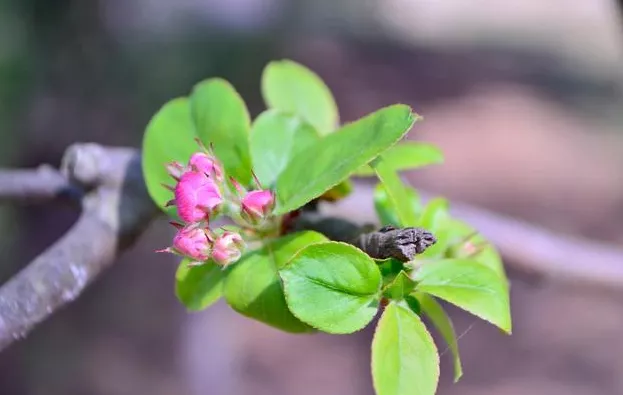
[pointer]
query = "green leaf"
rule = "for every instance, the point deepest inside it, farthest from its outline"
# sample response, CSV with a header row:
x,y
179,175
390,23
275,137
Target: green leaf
x,y
400,286
340,191
198,287
469,285
437,315
253,288
336,156
390,268
434,215
293,88
404,357
276,138
168,137
413,304
332,286
221,118
465,242
385,209
434,218
396,190
407,156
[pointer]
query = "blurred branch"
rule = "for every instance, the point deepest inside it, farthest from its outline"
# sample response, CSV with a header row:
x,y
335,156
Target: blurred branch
x,y
539,251
115,210
41,184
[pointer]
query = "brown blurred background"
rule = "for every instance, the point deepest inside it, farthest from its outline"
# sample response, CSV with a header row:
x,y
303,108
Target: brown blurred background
x,y
524,97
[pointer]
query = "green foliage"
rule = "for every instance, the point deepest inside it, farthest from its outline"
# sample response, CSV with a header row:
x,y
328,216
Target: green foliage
x,y
399,287
253,288
396,191
293,88
434,218
339,154
277,138
169,137
198,287
385,207
404,356
435,213
470,286
407,156
221,119
463,241
437,315
302,282
332,286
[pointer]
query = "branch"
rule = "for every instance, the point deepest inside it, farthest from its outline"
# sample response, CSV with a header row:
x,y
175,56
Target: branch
x,y
539,251
43,183
387,242
115,210
528,248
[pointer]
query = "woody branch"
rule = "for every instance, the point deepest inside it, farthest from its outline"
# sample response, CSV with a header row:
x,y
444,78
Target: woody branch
x,y
108,185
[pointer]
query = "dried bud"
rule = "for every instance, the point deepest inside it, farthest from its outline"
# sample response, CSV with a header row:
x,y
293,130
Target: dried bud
x,y
257,205
196,196
191,242
207,164
227,248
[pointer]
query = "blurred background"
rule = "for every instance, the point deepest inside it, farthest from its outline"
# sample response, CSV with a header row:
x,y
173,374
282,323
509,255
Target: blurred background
x,y
525,97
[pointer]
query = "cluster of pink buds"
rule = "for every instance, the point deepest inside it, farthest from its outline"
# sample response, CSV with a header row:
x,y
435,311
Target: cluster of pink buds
x,y
200,193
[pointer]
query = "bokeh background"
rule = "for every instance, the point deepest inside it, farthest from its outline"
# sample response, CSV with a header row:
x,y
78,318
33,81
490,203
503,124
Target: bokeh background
x,y
524,97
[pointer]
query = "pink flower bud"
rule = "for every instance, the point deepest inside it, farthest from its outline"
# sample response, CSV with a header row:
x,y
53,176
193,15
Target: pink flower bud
x,y
256,205
204,163
227,248
191,242
197,196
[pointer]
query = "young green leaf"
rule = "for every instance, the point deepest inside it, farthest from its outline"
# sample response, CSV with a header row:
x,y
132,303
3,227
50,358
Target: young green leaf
x,y
399,287
293,88
253,288
435,218
434,215
168,137
464,242
389,268
221,118
385,208
340,191
276,138
199,287
404,357
469,285
437,315
396,190
332,286
407,156
337,155
413,304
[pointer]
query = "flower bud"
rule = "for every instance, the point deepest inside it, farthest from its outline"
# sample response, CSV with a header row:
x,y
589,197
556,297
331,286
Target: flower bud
x,y
207,164
227,248
175,170
257,205
196,196
191,242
